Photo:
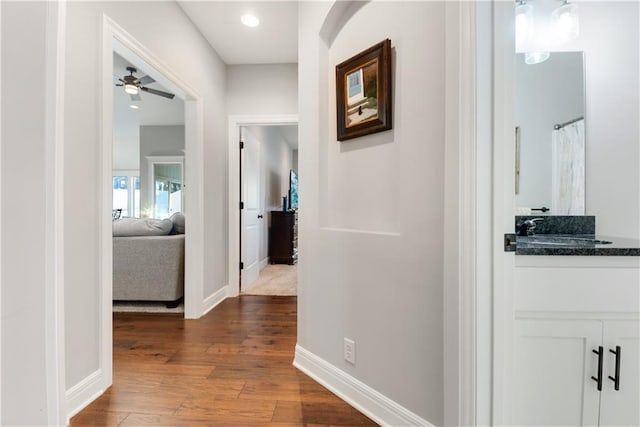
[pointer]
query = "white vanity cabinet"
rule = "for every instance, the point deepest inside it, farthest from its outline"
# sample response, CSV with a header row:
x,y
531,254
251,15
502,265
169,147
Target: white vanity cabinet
x,y
622,407
567,311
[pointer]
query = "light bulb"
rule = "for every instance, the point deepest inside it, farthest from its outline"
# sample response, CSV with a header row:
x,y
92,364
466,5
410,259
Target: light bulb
x,y
250,20
524,25
531,58
133,106
565,21
131,89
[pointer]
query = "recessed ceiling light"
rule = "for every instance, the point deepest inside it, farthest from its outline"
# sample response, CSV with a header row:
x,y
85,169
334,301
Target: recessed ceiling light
x,y
134,106
250,20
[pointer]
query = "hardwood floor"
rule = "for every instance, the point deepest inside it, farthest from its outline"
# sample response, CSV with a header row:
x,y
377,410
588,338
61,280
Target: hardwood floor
x,y
232,367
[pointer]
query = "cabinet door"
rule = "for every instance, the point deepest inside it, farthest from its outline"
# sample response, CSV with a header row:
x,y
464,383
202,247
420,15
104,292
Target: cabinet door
x,y
621,407
553,368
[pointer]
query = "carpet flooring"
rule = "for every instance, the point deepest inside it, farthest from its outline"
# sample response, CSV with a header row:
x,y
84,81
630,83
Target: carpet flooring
x,y
275,279
145,307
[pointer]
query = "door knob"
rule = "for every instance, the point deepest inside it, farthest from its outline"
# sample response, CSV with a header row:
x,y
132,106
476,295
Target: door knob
x,y
260,216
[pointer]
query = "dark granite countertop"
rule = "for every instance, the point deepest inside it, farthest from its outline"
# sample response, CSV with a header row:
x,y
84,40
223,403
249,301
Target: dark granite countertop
x,y
576,244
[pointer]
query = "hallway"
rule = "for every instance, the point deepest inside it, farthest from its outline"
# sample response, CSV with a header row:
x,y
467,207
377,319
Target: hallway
x,y
232,367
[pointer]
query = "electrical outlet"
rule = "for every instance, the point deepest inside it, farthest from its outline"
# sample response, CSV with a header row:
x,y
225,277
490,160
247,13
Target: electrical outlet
x,y
350,351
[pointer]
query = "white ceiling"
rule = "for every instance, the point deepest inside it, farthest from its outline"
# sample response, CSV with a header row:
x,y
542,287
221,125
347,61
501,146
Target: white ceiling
x,y
274,41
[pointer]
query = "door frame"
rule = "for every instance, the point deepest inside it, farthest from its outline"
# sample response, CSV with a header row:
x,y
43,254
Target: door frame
x,y
235,123
117,39
503,201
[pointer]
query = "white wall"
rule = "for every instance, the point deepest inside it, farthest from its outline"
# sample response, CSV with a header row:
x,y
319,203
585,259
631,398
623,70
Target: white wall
x,y
24,399
610,37
162,28
157,141
545,94
126,148
276,160
371,216
295,160
262,89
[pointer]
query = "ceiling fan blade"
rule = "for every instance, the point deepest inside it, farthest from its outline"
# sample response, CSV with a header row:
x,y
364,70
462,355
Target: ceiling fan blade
x,y
135,97
146,80
158,92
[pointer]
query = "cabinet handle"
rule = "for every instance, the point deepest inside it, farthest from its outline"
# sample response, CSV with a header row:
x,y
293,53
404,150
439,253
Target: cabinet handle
x,y
616,380
598,379
260,217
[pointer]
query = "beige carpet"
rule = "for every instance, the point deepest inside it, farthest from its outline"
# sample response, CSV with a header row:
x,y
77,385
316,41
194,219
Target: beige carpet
x,y
275,279
145,307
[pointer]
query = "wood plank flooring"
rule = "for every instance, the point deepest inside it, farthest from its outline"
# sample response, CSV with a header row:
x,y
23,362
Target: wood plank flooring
x,y
232,367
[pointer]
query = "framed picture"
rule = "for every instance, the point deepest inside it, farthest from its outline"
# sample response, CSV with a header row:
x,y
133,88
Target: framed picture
x,y
363,92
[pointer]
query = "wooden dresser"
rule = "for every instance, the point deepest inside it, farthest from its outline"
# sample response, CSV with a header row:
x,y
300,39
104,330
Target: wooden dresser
x,y
283,237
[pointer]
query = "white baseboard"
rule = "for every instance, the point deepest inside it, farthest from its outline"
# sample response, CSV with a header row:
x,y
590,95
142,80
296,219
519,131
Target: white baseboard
x,y
373,404
83,393
263,263
214,299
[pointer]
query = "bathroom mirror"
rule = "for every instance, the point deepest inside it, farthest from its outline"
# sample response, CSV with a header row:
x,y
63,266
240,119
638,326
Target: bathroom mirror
x,y
550,134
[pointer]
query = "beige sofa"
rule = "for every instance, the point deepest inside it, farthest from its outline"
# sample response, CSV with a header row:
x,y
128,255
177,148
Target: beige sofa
x,y
148,267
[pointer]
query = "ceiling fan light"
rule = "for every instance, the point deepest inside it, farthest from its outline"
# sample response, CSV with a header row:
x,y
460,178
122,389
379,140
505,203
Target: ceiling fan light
x,y
565,22
131,89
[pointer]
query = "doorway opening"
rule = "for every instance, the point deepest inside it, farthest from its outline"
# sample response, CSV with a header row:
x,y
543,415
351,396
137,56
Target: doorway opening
x,y
148,197
238,126
268,215
116,39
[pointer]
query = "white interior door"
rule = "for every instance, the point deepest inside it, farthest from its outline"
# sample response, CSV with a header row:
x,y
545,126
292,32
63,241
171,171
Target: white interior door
x,y
250,158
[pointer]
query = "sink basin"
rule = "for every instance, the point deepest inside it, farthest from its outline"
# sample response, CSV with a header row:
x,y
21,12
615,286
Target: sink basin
x,y
562,240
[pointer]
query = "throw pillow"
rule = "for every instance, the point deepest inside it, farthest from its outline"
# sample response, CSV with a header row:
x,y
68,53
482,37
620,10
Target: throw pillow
x,y
178,221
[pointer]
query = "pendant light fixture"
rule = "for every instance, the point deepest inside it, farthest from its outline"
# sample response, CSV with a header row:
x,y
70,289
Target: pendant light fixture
x,y
524,24
531,58
565,22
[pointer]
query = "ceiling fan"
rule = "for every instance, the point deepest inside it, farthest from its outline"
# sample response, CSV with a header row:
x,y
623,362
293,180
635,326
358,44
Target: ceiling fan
x,y
133,85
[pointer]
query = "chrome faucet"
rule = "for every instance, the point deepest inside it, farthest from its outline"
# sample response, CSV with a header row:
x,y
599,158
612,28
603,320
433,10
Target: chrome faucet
x,y
526,228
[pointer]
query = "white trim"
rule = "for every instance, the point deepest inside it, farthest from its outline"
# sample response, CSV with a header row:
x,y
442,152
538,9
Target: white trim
x,y
105,361
1,286
194,209
503,210
83,393
235,123
214,299
484,212
115,38
54,213
263,263
371,403
460,214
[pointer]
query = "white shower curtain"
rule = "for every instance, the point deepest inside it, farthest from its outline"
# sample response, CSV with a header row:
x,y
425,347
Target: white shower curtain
x,y
567,170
